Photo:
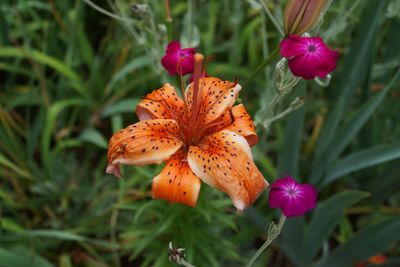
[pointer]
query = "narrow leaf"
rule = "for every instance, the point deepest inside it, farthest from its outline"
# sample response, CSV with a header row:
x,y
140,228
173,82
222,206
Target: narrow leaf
x,y
362,159
325,218
366,243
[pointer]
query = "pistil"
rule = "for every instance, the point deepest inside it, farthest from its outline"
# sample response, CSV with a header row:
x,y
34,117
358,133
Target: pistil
x,y
198,60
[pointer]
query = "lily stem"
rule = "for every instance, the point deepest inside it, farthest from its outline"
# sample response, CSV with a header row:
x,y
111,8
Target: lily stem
x,y
273,233
260,67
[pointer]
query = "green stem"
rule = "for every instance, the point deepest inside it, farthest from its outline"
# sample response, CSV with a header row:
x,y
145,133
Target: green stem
x,y
291,108
260,67
272,18
185,263
170,34
168,20
273,233
107,13
267,109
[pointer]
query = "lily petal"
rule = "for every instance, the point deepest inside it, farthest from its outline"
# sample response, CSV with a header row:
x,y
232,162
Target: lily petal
x,y
216,97
224,161
243,124
145,142
176,182
163,103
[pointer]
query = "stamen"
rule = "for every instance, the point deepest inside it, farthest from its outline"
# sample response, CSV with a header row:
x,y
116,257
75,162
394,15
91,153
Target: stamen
x,y
198,60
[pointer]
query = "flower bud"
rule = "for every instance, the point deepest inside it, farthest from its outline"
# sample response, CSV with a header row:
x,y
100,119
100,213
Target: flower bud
x,y
175,255
301,15
284,79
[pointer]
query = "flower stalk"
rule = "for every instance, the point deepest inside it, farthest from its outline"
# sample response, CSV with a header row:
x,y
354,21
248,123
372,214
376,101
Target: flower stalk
x,y
169,20
273,232
296,104
260,67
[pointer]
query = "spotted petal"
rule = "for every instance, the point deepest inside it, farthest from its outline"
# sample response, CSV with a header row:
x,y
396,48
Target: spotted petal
x,y
143,143
176,182
217,96
163,103
224,161
243,124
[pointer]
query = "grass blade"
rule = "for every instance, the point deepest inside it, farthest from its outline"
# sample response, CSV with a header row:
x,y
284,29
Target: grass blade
x,y
362,159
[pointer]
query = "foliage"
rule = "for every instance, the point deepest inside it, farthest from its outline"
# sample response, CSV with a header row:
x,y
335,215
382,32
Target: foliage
x,y
71,76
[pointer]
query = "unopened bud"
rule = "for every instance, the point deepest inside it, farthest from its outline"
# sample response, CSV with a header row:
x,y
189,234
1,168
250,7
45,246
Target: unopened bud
x,y
301,15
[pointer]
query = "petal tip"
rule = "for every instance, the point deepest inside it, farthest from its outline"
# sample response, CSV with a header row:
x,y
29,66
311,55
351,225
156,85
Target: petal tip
x,y
114,169
239,205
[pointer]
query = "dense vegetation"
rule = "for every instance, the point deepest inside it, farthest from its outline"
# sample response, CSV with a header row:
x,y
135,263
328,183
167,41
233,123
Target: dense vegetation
x,y
72,73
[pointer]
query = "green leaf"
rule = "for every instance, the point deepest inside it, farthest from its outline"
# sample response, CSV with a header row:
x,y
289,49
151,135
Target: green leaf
x,y
289,155
124,106
50,61
52,114
292,236
65,235
350,77
93,136
9,225
349,130
324,220
23,258
362,159
128,69
366,243
5,162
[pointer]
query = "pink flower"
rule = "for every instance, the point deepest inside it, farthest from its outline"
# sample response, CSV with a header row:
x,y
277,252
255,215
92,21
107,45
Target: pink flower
x,y
293,198
308,57
177,60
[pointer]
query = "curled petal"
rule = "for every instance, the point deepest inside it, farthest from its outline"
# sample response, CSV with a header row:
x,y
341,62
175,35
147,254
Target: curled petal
x,y
143,143
217,96
224,161
176,182
243,124
163,103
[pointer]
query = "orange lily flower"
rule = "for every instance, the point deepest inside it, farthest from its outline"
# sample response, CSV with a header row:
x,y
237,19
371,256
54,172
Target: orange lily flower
x,y
203,137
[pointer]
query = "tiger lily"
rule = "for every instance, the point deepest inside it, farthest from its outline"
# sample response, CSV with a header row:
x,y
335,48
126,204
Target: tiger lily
x,y
203,137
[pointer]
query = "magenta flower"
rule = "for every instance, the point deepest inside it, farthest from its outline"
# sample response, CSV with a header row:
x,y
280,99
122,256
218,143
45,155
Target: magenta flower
x,y
177,60
308,57
293,198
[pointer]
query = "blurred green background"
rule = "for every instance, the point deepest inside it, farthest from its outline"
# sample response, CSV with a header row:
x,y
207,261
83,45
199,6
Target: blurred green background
x,y
72,73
